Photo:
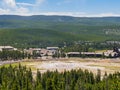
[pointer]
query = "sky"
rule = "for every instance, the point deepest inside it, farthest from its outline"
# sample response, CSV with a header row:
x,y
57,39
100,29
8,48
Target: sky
x,y
77,8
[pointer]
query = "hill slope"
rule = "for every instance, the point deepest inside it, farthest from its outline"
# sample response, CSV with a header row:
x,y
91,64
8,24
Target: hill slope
x,y
55,30
14,21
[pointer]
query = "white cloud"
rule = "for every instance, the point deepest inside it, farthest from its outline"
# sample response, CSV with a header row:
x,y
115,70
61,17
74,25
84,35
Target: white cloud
x,y
21,11
76,14
12,7
25,4
4,11
39,1
108,14
10,3
102,15
21,8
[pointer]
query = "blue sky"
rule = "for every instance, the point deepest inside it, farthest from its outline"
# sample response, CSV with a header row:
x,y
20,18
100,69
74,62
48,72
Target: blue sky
x,y
78,8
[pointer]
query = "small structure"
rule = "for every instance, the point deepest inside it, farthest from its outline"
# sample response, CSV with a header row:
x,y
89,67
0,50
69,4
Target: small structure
x,y
44,52
31,51
92,54
116,52
52,50
7,48
110,53
87,54
73,54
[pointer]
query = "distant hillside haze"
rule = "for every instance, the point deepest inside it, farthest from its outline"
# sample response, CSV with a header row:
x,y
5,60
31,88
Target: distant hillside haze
x,y
14,21
52,30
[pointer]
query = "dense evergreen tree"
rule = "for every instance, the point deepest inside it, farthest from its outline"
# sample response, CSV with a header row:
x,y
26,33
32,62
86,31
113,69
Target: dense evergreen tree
x,y
21,78
12,55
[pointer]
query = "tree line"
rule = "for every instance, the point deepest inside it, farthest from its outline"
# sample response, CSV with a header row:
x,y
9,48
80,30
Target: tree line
x,y
21,78
12,55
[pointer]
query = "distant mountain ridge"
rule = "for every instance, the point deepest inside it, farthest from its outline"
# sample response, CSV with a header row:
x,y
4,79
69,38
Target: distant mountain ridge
x,y
8,21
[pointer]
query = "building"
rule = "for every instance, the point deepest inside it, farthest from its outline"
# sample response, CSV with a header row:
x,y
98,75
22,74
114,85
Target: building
x,y
33,50
92,54
87,54
44,52
73,54
52,50
8,48
108,53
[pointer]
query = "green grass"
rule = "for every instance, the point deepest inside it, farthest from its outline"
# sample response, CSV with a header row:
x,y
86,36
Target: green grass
x,y
7,65
27,64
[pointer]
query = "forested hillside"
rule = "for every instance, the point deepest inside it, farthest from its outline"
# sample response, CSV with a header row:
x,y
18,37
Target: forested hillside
x,y
41,31
21,78
40,20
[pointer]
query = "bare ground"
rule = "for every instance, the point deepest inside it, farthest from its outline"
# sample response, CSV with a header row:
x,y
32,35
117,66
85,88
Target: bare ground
x,y
92,64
